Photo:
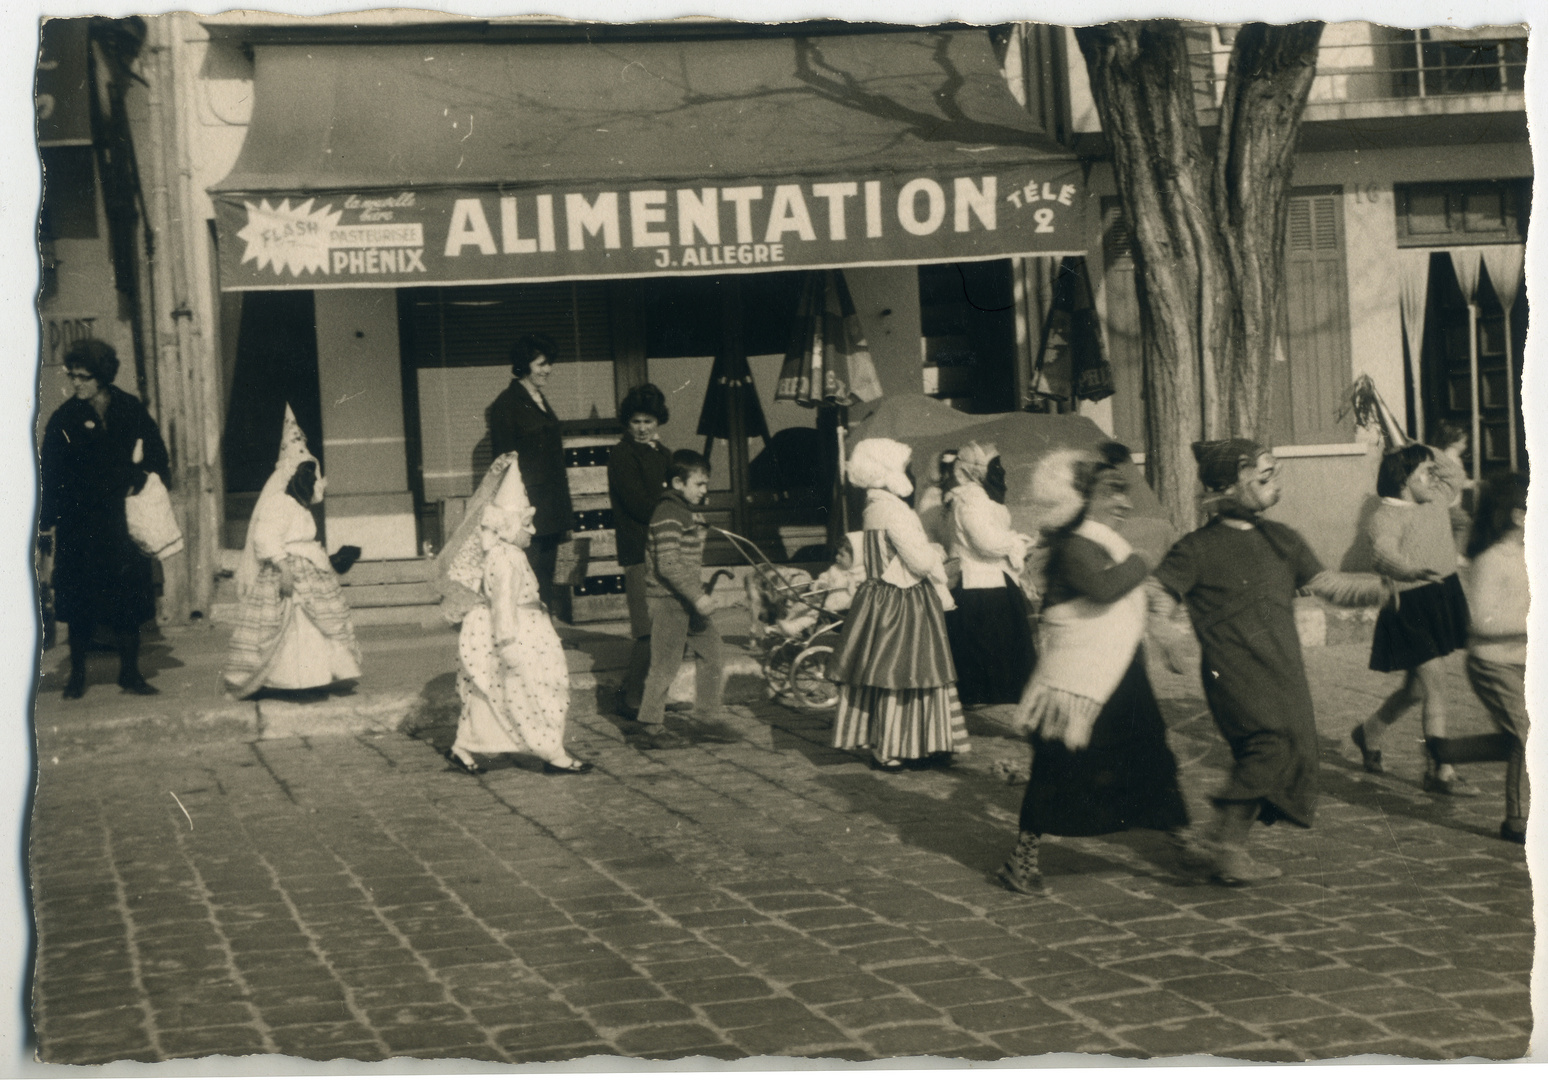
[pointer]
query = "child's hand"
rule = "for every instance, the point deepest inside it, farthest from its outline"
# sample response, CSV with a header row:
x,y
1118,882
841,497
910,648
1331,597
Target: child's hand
x,y
1169,643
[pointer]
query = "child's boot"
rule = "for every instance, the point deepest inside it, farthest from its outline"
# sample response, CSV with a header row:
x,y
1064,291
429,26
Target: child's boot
x,y
1021,872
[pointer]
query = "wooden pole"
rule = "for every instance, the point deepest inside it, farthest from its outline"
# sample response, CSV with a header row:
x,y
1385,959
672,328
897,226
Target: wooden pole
x,y
1510,387
1473,394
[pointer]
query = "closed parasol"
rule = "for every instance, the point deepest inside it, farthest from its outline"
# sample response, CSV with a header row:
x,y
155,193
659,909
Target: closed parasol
x,y
828,361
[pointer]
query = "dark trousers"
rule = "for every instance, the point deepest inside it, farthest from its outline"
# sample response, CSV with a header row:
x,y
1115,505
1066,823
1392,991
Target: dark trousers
x,y
543,554
128,641
672,628
639,630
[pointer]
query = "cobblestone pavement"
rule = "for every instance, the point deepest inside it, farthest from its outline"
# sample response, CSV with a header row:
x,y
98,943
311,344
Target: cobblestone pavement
x,y
756,893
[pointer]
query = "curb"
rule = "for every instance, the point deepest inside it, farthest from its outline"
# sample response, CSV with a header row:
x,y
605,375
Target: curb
x,y
360,713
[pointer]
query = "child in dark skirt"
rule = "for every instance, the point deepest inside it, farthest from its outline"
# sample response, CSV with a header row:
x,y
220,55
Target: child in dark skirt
x,y
1427,617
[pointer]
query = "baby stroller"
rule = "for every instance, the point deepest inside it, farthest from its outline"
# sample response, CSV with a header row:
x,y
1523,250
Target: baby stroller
x,y
791,628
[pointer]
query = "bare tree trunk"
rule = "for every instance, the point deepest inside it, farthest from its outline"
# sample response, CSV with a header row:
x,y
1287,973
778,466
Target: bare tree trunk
x,y
1208,232
1267,84
1144,94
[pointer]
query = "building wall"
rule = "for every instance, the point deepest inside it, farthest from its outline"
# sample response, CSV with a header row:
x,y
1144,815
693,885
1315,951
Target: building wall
x,y
1327,498
360,382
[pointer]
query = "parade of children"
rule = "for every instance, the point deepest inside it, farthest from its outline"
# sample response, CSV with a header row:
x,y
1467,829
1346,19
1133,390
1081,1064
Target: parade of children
x,y
1023,610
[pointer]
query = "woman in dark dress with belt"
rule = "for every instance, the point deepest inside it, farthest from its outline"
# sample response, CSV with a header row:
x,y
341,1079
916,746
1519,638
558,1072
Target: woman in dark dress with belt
x,y
521,419
636,477
88,468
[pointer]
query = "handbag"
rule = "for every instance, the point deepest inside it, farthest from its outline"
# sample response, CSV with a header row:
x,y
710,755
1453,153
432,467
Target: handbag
x,y
152,525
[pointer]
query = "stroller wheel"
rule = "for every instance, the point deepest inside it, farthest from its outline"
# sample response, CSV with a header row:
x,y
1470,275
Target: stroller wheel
x,y
779,664
809,683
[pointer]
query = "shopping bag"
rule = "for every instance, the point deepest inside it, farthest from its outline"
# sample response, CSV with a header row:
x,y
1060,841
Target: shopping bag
x,y
152,525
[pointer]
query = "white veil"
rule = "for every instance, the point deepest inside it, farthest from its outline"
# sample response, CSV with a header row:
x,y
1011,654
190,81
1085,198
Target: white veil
x,y
459,569
292,452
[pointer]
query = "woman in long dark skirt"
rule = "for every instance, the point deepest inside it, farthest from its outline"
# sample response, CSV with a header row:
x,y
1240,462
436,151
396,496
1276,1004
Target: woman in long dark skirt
x,y
991,629
1100,760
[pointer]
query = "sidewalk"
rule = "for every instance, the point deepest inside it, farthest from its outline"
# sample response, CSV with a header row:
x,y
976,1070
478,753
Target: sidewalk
x,y
408,674
243,887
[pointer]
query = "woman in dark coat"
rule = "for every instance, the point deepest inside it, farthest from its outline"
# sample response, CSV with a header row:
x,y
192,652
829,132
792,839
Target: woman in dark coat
x,y
636,476
88,469
521,419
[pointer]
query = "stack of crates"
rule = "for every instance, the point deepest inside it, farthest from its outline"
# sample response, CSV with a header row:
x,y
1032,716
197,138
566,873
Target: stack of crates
x,y
590,579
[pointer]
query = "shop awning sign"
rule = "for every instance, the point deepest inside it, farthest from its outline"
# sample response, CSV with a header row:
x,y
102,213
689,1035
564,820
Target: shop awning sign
x,y
435,163
395,238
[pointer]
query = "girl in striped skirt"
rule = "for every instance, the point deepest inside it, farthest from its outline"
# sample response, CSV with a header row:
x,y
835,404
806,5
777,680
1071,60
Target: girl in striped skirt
x,y
897,685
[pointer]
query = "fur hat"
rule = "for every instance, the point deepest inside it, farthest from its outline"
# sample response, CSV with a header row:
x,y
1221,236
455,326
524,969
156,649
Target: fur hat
x,y
881,463
1221,461
1057,494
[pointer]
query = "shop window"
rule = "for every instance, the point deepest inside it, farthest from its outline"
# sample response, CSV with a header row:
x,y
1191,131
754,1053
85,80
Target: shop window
x,y
1478,212
772,489
275,365
69,209
1125,352
683,330
457,341
968,332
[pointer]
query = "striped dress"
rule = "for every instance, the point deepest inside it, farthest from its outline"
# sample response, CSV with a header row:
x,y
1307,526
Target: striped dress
x,y
897,685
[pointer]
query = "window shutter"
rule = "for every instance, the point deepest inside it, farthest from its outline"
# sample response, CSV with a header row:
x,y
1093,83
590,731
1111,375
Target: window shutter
x,y
1309,385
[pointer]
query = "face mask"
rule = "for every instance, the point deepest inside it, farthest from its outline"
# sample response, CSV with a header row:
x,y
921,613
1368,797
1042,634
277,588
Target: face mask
x,y
994,481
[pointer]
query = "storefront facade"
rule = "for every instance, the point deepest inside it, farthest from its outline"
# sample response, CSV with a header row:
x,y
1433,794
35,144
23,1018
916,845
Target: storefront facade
x,y
383,203
653,205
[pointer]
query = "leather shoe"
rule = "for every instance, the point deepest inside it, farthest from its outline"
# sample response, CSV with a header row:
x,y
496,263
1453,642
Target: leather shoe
x,y
1513,836
1454,786
75,688
138,685
664,740
576,767
462,766
1370,759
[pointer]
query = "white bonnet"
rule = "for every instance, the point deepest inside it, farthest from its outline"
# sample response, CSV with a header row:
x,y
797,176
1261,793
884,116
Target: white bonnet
x,y
973,461
881,463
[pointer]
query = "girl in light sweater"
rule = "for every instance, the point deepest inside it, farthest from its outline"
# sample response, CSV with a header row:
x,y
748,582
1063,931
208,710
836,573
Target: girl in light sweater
x,y
1427,616
1497,641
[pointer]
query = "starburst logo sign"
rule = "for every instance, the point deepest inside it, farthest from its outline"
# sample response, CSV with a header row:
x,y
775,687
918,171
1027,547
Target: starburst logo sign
x,y
289,238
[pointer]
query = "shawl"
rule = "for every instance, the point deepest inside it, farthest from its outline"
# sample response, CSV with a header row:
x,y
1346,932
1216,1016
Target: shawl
x,y
1085,647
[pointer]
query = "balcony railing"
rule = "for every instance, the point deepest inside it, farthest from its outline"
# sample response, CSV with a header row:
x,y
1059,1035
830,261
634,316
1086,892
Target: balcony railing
x,y
1359,62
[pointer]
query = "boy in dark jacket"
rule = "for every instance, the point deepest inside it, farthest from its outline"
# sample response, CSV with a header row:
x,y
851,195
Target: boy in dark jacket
x,y
679,606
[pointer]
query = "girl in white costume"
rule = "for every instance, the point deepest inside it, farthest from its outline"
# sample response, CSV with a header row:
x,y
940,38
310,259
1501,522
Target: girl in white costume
x,y
512,677
293,630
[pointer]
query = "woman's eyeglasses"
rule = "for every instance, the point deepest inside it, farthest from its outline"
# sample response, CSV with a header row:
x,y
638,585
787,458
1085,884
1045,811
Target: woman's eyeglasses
x,y
80,376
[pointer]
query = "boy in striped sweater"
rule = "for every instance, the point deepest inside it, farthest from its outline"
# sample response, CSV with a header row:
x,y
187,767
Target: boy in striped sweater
x,y
679,606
